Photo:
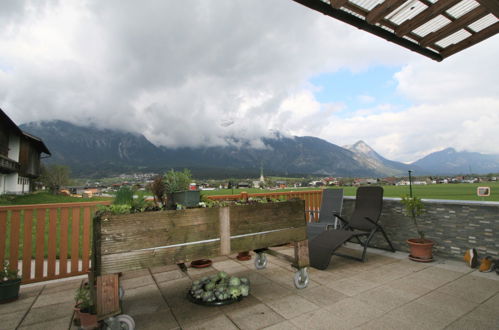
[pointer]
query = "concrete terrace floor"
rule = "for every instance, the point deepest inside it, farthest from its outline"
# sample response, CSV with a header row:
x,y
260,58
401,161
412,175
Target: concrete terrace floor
x,y
386,292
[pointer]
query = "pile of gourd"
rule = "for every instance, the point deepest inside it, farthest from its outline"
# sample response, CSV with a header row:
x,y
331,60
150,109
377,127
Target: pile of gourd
x,y
219,287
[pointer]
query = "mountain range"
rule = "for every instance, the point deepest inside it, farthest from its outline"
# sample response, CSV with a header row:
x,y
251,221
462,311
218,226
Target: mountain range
x,y
93,152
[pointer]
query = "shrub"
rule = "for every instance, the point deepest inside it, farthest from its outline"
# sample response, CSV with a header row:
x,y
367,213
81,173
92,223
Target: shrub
x,y
414,207
177,181
124,196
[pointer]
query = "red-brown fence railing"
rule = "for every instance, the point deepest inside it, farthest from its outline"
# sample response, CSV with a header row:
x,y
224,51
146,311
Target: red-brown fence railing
x,y
47,241
312,198
51,241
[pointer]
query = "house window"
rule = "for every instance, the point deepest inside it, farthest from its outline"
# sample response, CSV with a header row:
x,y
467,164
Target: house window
x,y
22,180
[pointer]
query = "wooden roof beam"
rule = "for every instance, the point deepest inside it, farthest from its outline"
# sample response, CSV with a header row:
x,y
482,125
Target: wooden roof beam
x,y
455,26
424,16
470,41
491,5
343,16
383,9
338,3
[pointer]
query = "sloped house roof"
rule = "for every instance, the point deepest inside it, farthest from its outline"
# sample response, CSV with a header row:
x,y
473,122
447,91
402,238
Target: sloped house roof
x,y
434,28
20,154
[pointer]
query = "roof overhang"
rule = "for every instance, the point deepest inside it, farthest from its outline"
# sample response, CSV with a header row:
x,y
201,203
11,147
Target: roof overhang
x,y
434,28
37,142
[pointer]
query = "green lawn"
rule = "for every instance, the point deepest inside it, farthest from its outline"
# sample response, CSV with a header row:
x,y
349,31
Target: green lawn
x,y
44,198
459,191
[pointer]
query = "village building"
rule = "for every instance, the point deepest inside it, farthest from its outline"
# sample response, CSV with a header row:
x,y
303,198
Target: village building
x,y
20,154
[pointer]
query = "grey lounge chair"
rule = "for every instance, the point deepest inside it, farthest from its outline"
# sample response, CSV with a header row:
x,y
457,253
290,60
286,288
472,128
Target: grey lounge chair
x,y
331,205
362,226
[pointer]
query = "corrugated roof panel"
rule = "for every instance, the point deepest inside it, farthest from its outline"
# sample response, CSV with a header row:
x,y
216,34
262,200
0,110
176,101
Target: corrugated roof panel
x,y
432,25
410,39
483,23
385,27
407,11
453,38
367,4
352,13
462,8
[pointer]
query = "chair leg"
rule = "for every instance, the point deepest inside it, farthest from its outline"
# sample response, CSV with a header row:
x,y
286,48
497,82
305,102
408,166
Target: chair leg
x,y
366,243
387,239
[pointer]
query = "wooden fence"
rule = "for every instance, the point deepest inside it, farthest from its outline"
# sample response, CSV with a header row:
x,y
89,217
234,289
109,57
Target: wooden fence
x,y
312,199
47,241
51,241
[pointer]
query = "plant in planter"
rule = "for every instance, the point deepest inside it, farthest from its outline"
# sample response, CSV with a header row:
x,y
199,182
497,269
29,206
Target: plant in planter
x,y
421,249
158,189
177,189
10,283
84,308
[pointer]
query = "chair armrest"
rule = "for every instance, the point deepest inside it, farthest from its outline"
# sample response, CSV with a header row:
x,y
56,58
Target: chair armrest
x,y
345,221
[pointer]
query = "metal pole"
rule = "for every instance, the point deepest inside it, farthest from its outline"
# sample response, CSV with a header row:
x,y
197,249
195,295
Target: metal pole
x,y
410,183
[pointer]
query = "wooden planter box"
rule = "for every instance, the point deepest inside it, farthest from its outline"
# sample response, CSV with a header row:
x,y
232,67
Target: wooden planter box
x,y
141,240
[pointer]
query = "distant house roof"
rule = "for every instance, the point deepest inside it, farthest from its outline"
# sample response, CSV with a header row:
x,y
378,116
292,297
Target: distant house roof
x,y
4,118
33,139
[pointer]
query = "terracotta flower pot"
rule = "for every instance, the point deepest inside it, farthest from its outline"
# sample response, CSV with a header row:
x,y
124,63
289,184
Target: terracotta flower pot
x,y
86,320
420,249
244,256
201,263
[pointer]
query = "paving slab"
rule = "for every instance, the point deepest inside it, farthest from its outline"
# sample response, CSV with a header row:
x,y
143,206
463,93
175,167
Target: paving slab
x,y
423,316
321,295
448,303
320,319
168,275
135,282
160,319
254,317
471,288
388,323
354,312
62,323
386,298
49,313
54,297
187,313
291,306
20,305
220,322
11,320
143,300
269,291
386,292
352,286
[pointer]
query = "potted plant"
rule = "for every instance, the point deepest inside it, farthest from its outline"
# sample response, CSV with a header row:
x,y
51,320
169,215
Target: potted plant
x,y
421,248
84,308
177,189
10,283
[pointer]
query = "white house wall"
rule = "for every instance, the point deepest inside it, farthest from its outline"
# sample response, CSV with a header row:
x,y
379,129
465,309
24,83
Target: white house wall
x,y
11,184
2,184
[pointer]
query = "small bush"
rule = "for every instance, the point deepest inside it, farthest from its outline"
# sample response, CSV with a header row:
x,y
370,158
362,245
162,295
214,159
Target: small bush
x,y
124,196
177,181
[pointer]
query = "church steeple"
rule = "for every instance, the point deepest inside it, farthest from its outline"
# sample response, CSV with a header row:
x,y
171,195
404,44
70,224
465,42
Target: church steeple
x,y
262,179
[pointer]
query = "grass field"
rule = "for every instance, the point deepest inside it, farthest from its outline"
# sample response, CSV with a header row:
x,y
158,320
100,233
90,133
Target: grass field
x,y
458,191
44,198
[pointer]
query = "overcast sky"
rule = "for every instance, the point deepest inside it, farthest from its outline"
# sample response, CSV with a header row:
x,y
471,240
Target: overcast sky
x,y
191,73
